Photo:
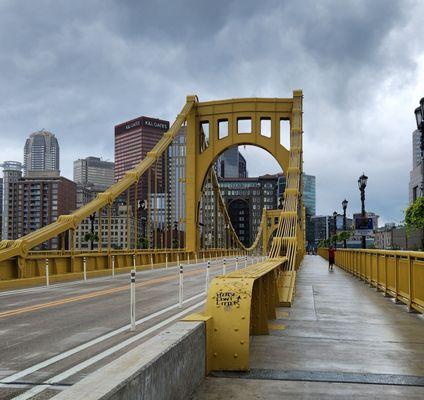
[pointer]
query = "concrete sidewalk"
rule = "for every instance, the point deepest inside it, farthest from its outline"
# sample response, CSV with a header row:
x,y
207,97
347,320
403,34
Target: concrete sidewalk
x,y
341,339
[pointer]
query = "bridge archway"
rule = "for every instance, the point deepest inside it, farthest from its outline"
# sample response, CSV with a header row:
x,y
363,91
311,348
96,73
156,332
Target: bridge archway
x,y
215,126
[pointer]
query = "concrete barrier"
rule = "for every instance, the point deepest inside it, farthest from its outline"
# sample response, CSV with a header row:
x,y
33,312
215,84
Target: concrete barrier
x,y
171,365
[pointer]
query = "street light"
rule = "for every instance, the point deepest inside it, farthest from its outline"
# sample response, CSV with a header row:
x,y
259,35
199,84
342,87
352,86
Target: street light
x,y
419,116
344,205
335,227
362,184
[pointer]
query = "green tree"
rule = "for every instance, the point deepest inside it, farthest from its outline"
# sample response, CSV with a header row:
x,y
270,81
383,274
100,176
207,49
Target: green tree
x,y
414,217
91,237
143,243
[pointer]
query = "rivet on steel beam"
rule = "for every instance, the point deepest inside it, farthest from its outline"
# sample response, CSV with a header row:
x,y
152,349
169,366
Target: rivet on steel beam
x,y
243,317
235,329
235,355
215,354
241,341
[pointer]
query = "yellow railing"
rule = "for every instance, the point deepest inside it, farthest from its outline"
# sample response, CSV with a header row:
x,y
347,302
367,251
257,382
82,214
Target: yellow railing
x,y
399,274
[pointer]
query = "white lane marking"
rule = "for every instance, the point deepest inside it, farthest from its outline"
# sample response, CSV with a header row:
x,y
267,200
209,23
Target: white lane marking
x,y
68,353
79,367
90,281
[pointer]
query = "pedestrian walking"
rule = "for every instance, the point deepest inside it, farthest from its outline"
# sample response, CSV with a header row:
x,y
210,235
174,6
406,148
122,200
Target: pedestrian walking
x,y
331,256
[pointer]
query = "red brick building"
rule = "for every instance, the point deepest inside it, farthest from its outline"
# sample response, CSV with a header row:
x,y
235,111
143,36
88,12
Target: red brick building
x,y
133,140
37,202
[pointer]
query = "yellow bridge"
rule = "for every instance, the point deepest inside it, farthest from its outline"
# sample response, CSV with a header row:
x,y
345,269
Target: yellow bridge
x,y
241,303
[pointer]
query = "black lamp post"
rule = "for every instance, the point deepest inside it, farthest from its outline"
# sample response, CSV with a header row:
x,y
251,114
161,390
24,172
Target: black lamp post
x,y
335,227
362,184
419,116
344,205
92,219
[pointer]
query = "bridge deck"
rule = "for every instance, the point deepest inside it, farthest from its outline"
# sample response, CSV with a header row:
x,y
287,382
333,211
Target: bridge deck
x,y
340,339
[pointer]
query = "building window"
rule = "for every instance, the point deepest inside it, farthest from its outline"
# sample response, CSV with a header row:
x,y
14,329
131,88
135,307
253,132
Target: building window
x,y
414,193
266,127
222,128
244,125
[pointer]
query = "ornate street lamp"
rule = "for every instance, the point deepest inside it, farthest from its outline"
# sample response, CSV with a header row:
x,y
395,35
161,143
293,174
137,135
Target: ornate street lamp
x,y
419,116
92,219
344,205
335,227
362,184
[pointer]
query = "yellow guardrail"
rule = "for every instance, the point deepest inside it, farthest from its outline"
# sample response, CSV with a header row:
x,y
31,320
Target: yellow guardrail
x,y
66,265
399,274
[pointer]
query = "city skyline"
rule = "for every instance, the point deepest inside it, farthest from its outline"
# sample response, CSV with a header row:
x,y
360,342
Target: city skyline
x,y
350,84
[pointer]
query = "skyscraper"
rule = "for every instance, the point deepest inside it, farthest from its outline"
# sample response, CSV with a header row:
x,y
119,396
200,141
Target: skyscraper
x,y
41,155
12,172
133,140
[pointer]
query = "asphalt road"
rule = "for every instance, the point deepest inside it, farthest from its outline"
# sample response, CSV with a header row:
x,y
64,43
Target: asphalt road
x,y
52,337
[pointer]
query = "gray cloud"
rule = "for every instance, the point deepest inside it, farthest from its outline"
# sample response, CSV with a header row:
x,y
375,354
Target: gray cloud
x,y
78,68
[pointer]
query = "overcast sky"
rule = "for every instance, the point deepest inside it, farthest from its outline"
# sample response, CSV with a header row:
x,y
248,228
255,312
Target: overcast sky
x,y
77,68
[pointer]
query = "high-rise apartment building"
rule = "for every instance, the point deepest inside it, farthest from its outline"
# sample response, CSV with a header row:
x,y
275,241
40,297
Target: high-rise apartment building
x,y
41,155
12,172
37,202
133,140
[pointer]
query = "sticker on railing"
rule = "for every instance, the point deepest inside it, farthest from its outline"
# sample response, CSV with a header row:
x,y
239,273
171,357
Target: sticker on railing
x,y
227,299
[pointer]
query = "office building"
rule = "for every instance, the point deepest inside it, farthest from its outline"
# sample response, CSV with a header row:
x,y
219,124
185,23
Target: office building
x,y
245,199
175,191
118,232
323,227
37,202
94,172
133,140
12,172
231,164
415,175
1,206
309,201
41,155
92,176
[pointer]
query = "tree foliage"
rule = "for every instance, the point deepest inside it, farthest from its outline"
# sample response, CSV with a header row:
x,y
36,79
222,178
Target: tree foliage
x,y
414,214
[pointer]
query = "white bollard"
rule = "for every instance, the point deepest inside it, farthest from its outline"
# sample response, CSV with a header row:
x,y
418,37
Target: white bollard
x,y
178,259
181,293
203,257
208,265
252,260
224,266
47,273
113,265
188,258
84,261
132,300
236,263
151,261
134,262
166,261
195,255
245,261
